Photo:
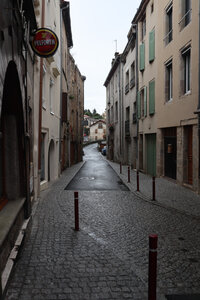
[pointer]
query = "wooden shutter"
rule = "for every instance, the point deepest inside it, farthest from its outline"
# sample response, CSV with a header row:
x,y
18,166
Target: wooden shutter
x,y
152,97
138,105
152,45
145,101
142,57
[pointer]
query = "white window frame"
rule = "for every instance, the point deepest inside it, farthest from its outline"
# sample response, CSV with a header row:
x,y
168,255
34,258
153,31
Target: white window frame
x,y
169,81
51,94
186,55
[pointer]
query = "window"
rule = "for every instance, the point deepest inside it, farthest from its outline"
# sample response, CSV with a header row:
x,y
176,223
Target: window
x,y
44,87
127,82
152,7
51,91
169,28
132,81
152,97
100,125
169,81
127,122
111,115
116,111
185,13
143,27
186,69
142,103
96,130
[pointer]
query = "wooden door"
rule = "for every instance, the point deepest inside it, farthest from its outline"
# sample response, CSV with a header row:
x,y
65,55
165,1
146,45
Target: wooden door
x,y
170,157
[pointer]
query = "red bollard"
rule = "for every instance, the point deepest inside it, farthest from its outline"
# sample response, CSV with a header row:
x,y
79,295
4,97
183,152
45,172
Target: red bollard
x,y
154,188
76,212
138,189
153,241
129,174
120,168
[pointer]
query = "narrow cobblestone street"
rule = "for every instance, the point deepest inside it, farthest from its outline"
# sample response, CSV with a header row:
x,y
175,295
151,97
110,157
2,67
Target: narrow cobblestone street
x,y
108,257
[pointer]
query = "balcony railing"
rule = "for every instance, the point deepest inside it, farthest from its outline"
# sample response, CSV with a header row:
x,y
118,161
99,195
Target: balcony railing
x,y
127,88
168,38
132,83
185,20
127,128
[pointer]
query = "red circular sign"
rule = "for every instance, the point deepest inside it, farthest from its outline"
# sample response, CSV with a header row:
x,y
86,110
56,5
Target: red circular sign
x,y
45,42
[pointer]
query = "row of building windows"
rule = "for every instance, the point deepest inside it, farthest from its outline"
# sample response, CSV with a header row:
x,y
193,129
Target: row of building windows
x,y
185,19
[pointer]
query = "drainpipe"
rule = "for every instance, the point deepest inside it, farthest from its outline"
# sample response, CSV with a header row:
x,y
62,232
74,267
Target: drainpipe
x,y
137,85
120,109
40,104
198,107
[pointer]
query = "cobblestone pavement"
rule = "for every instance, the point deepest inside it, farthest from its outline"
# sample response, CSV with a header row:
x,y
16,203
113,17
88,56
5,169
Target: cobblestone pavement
x,y
168,193
108,257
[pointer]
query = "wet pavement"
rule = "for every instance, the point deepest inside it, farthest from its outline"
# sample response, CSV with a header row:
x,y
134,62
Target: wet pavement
x,y
96,174
108,257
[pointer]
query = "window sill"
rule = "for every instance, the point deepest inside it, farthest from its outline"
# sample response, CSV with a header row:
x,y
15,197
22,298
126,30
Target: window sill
x,y
169,101
187,93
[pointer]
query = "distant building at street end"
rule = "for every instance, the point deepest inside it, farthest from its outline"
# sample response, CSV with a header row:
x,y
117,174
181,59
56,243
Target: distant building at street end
x,y
97,131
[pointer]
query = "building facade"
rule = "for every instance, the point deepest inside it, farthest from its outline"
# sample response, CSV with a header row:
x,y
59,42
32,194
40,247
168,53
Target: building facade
x,y
129,79
114,110
166,135
178,93
98,131
17,23
76,112
145,20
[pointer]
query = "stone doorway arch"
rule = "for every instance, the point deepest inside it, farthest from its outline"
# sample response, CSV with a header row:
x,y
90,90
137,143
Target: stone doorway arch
x,y
12,143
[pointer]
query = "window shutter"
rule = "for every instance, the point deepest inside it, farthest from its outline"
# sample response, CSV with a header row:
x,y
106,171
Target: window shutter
x,y
64,107
138,105
152,97
145,101
152,45
142,57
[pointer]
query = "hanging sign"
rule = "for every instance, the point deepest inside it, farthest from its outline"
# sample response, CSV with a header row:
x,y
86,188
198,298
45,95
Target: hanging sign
x,y
45,42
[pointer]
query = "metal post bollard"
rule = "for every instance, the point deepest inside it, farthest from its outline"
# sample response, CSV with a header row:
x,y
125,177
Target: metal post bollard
x,y
154,188
129,174
76,211
120,167
138,188
153,241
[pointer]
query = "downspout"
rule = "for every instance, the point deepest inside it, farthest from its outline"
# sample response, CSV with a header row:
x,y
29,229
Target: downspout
x,y
27,207
198,107
137,85
40,103
120,109
122,121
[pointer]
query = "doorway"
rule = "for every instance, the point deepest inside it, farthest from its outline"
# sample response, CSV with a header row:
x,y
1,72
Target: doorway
x,y
12,144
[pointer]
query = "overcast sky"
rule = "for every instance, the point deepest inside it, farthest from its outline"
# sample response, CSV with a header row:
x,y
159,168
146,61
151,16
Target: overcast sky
x,y
96,24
